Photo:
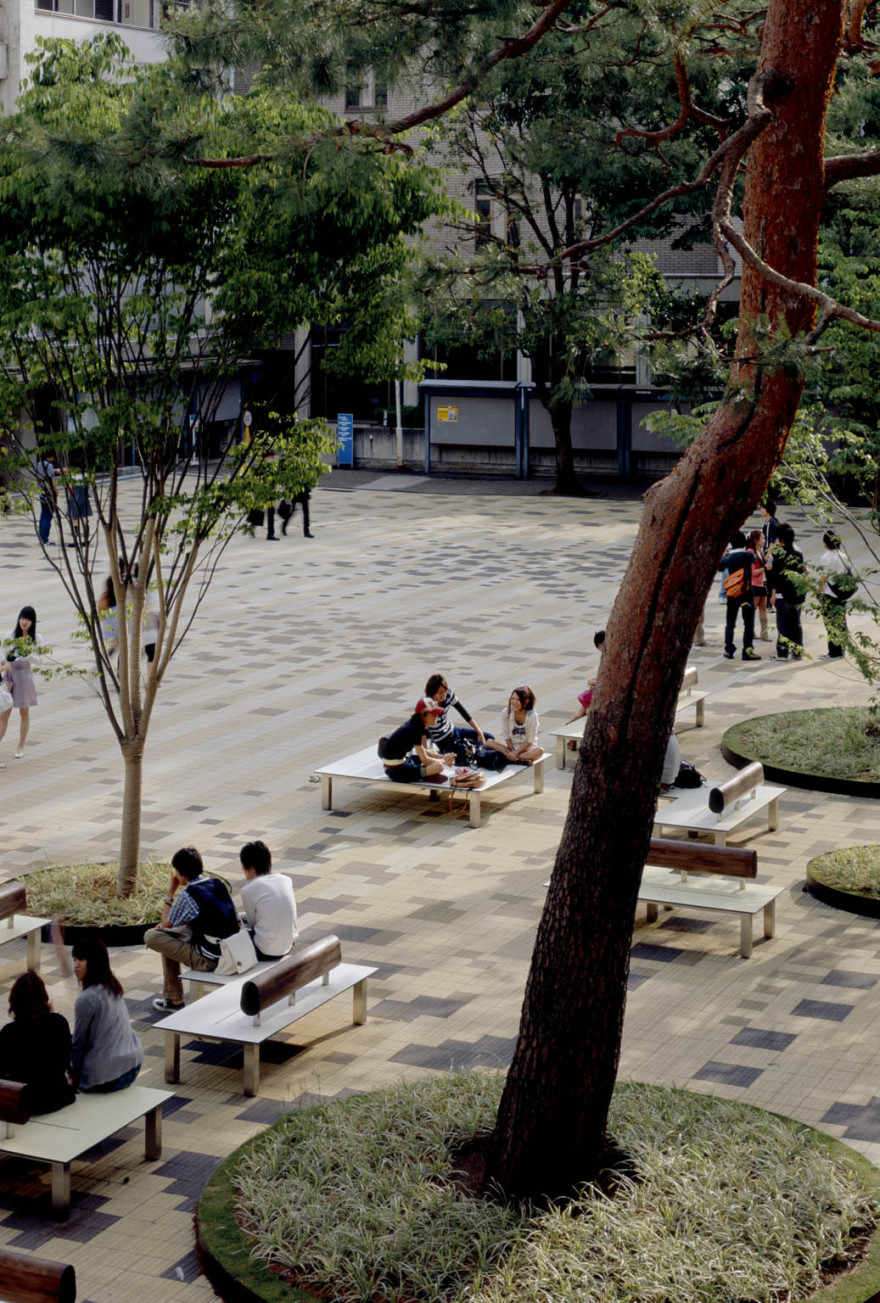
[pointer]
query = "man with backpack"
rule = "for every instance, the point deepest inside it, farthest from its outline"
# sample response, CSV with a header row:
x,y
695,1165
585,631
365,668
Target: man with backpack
x,y
736,567
198,913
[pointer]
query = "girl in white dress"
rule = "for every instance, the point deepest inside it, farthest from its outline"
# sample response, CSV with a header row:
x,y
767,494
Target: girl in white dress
x,y
21,652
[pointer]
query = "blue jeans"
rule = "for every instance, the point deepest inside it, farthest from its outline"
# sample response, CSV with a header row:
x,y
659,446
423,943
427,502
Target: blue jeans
x,y
453,741
747,606
108,1087
45,525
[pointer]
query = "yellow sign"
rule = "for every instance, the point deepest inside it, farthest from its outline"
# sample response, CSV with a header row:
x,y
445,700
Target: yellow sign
x,y
449,414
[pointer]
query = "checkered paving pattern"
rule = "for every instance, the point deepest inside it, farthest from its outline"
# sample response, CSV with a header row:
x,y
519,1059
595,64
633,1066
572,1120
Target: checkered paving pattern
x,y
309,650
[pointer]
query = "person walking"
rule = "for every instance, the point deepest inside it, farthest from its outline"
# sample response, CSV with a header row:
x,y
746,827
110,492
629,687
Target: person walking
x,y
290,510
837,585
45,473
22,653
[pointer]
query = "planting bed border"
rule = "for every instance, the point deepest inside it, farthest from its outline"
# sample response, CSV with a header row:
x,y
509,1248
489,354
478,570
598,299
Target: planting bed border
x,y
852,902
224,1250
736,754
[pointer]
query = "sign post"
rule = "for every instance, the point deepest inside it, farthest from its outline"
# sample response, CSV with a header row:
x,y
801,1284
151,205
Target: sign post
x,y
345,438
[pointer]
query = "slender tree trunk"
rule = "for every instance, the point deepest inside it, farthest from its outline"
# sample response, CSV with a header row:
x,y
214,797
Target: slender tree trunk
x,y
130,847
567,482
550,1130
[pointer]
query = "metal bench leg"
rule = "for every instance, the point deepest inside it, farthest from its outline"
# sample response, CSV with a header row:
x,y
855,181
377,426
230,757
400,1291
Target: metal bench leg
x,y
561,748
770,919
745,935
33,951
474,803
61,1191
326,792
433,794
701,713
172,1056
773,815
359,1010
539,777
251,1069
153,1134
721,839
653,912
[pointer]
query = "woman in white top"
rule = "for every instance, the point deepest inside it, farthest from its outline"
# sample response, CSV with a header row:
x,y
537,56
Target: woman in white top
x,y
836,586
518,741
21,654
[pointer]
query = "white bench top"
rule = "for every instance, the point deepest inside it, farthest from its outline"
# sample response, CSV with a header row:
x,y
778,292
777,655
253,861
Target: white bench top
x,y
213,978
219,1014
690,808
574,730
20,925
366,767
60,1137
705,890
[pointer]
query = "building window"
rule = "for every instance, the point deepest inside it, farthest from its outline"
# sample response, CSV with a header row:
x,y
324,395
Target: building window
x,y
127,13
483,213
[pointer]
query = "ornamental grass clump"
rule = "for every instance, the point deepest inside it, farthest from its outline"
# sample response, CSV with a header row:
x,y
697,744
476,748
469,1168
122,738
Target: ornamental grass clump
x,y
840,742
356,1201
850,868
84,895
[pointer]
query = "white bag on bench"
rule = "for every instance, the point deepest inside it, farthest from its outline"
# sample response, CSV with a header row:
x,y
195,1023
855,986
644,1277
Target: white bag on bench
x,y
237,953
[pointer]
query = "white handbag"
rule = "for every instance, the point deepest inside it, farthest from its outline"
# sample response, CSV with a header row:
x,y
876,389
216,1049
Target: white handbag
x,y
237,953
5,698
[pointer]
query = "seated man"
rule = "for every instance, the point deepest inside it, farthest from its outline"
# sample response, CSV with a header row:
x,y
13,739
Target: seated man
x,y
269,903
407,755
198,912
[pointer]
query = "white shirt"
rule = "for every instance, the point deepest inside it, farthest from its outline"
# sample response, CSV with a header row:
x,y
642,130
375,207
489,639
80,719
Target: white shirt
x,y
270,909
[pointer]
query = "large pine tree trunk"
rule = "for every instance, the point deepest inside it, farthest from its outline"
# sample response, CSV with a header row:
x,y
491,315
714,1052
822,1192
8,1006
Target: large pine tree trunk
x,y
550,1130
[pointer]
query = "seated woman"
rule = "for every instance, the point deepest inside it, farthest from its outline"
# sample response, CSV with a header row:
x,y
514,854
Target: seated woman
x,y
35,1046
107,1054
407,755
518,742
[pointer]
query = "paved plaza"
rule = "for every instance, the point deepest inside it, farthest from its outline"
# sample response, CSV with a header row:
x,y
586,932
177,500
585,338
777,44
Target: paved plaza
x,y
307,650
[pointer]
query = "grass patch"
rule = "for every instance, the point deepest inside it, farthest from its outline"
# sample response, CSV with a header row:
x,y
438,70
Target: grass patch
x,y
832,743
84,895
855,869
352,1202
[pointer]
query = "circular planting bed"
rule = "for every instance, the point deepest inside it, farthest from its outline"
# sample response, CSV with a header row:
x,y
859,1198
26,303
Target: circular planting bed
x,y
361,1201
848,879
81,899
830,750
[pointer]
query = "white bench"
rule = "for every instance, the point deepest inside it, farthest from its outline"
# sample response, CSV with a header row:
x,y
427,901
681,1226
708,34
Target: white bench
x,y
199,980
59,1138
250,1010
574,731
682,875
722,809
366,767
15,924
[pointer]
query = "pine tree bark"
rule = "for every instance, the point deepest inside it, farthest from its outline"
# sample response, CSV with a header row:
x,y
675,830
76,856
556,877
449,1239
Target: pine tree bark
x,y
550,1131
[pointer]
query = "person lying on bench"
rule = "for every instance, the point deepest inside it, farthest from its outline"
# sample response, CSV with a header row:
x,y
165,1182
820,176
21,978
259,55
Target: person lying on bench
x,y
269,903
407,754
443,734
198,912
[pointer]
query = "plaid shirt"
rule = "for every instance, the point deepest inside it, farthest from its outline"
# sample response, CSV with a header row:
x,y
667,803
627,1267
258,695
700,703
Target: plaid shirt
x,y
184,909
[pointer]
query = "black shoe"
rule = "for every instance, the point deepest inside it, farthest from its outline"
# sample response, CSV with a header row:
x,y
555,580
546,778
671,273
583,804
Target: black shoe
x,y
750,654
306,534
728,656
271,538
167,1006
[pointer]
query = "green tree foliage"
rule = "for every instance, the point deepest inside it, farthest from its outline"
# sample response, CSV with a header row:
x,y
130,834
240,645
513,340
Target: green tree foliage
x,y
132,285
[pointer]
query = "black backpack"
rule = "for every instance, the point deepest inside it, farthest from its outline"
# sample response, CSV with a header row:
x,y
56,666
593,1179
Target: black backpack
x,y
688,776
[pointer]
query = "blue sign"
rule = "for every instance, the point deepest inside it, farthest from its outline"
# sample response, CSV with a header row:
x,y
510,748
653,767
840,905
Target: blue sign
x,y
345,437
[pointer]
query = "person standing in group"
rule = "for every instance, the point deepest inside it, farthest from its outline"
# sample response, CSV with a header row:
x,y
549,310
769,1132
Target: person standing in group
x,y
22,654
755,542
269,903
837,585
786,570
736,566
290,511
45,473
35,1046
770,528
106,1054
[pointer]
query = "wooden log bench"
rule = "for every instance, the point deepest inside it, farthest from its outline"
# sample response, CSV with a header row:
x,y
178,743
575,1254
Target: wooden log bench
x,y
687,698
366,767
14,923
250,1010
58,1138
682,874
721,809
24,1279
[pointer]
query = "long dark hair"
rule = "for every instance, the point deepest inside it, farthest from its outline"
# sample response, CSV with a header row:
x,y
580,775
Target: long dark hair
x,y
29,997
29,614
98,973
